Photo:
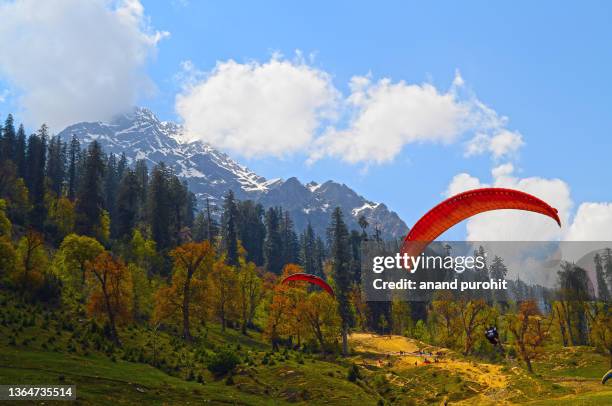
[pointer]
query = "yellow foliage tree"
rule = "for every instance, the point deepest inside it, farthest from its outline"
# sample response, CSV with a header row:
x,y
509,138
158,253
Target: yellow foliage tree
x,y
70,263
61,214
320,311
32,261
7,251
224,289
249,292
530,329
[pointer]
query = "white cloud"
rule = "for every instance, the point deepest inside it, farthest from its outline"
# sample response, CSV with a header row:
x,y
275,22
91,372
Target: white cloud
x,y
257,109
500,171
461,183
501,144
593,222
72,60
280,107
386,116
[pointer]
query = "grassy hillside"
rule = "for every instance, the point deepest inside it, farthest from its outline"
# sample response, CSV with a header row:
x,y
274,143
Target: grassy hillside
x,y
39,346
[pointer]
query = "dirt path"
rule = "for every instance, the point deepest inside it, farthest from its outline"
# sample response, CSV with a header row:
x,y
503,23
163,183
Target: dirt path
x,y
403,353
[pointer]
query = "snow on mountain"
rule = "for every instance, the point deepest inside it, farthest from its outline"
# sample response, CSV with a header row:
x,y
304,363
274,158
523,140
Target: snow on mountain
x,y
211,173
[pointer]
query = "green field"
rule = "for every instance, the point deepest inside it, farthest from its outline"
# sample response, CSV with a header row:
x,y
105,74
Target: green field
x,y
38,346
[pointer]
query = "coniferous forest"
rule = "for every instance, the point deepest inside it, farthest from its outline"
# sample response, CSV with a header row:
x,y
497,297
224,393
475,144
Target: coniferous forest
x,y
110,274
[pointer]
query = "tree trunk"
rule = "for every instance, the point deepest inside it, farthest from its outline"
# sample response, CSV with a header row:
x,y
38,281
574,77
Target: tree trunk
x,y
243,328
186,298
528,362
111,318
345,348
563,333
222,315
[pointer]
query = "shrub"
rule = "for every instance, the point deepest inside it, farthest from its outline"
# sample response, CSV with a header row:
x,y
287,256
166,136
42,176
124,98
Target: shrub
x,y
223,362
353,373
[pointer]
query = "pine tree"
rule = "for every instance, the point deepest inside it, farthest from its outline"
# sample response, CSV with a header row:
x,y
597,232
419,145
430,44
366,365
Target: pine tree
x,y
363,224
498,270
230,236
74,154
341,258
35,176
181,206
251,230
89,196
212,229
603,293
273,243
8,139
308,250
607,259
127,204
320,254
121,166
290,245
111,183
20,152
56,165
355,239
159,206
142,175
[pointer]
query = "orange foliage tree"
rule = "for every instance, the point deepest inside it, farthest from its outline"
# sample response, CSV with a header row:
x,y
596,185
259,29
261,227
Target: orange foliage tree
x,y
192,263
111,295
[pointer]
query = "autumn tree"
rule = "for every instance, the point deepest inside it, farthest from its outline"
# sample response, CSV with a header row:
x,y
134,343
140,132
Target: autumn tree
x,y
7,251
447,312
472,315
61,216
362,311
320,313
191,259
32,260
142,251
530,330
249,292
600,318
70,262
14,192
277,311
294,323
224,291
111,296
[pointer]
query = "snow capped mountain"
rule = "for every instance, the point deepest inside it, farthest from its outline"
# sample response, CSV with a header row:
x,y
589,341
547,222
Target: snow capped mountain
x,y
211,173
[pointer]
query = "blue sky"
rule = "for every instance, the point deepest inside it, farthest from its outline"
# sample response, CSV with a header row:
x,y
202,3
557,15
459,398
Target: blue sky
x,y
545,66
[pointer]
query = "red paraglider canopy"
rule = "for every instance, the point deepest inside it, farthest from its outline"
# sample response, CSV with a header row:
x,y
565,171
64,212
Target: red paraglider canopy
x,y
467,204
306,277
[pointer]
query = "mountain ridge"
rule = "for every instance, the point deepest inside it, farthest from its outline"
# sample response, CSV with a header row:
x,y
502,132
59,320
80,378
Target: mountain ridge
x,y
210,173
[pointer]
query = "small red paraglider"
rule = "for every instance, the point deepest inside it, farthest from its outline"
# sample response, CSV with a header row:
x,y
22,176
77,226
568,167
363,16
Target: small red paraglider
x,y
306,277
467,204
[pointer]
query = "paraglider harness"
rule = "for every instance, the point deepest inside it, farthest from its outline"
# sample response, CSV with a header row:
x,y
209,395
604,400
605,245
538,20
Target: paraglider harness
x,y
492,336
